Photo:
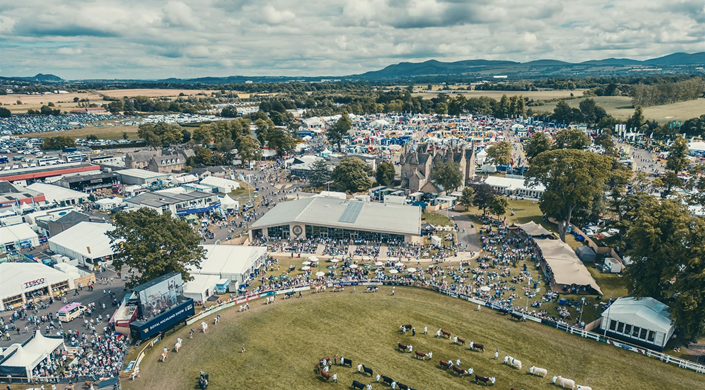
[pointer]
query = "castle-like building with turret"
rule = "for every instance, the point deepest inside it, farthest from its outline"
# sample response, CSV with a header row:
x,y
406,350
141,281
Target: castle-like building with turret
x,y
417,164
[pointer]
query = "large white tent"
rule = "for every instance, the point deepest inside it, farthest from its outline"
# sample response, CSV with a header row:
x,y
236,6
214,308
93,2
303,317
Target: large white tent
x,y
566,267
85,242
234,262
21,359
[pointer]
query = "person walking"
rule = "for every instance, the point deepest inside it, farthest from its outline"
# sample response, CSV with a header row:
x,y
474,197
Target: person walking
x,y
243,348
413,332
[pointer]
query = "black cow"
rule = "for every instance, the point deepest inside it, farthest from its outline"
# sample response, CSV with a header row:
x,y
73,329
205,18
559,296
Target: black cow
x,y
367,370
358,385
345,362
518,317
403,386
386,379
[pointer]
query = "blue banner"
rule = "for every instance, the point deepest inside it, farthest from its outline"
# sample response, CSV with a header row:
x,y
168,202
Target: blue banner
x,y
144,330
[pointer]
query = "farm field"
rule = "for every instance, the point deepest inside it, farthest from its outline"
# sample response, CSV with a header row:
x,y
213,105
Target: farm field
x,y
285,340
536,95
621,108
102,132
152,92
35,102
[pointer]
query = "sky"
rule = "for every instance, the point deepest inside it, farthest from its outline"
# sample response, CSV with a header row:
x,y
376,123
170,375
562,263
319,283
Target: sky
x,y
79,39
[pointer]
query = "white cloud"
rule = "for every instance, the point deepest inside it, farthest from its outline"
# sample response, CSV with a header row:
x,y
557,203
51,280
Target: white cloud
x,y
271,15
187,38
178,14
69,51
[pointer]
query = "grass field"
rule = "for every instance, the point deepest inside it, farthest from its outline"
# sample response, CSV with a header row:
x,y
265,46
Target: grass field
x,y
284,342
102,132
436,219
621,108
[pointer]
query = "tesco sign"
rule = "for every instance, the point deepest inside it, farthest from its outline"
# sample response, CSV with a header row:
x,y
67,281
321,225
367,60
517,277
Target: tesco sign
x,y
33,283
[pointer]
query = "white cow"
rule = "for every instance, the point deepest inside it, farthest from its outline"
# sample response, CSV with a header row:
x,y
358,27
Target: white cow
x,y
542,372
510,361
564,382
581,387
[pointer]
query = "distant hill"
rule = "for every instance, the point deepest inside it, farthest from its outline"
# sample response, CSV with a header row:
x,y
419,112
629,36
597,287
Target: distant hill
x,y
539,68
40,77
46,78
677,59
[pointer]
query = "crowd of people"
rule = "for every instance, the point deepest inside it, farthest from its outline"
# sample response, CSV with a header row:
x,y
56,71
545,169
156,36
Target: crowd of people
x,y
500,276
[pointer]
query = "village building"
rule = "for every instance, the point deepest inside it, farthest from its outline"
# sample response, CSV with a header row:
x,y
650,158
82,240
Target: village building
x,y
417,164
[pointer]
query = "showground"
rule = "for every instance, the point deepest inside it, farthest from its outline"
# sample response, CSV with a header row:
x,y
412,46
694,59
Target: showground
x,y
286,340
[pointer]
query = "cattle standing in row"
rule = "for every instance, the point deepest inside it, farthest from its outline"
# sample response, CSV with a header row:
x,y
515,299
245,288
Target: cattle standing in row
x,y
444,333
386,379
357,385
484,379
445,364
423,356
542,372
345,362
458,340
581,387
405,348
510,361
459,371
364,370
564,382
474,345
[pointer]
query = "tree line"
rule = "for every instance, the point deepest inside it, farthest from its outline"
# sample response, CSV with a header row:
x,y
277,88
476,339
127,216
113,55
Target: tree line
x,y
666,93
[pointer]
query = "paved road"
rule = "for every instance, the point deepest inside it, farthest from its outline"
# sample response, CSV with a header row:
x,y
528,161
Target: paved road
x,y
468,239
272,186
643,160
84,296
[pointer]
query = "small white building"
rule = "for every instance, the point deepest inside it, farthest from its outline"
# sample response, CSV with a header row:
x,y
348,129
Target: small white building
x,y
201,287
222,185
14,237
234,262
514,186
644,321
108,204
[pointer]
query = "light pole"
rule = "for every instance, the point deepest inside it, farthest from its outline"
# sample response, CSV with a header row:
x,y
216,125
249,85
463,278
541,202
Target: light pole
x,y
528,286
582,309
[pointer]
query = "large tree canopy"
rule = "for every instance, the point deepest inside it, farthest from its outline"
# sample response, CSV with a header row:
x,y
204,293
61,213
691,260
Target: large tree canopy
x,y
154,245
447,175
351,175
385,174
320,173
538,143
500,153
571,139
160,134
573,178
339,130
668,254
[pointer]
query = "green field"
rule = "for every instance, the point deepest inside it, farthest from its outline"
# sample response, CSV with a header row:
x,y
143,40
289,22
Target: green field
x,y
285,341
621,108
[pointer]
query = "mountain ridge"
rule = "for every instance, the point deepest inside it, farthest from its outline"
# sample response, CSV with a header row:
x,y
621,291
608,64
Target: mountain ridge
x,y
674,63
